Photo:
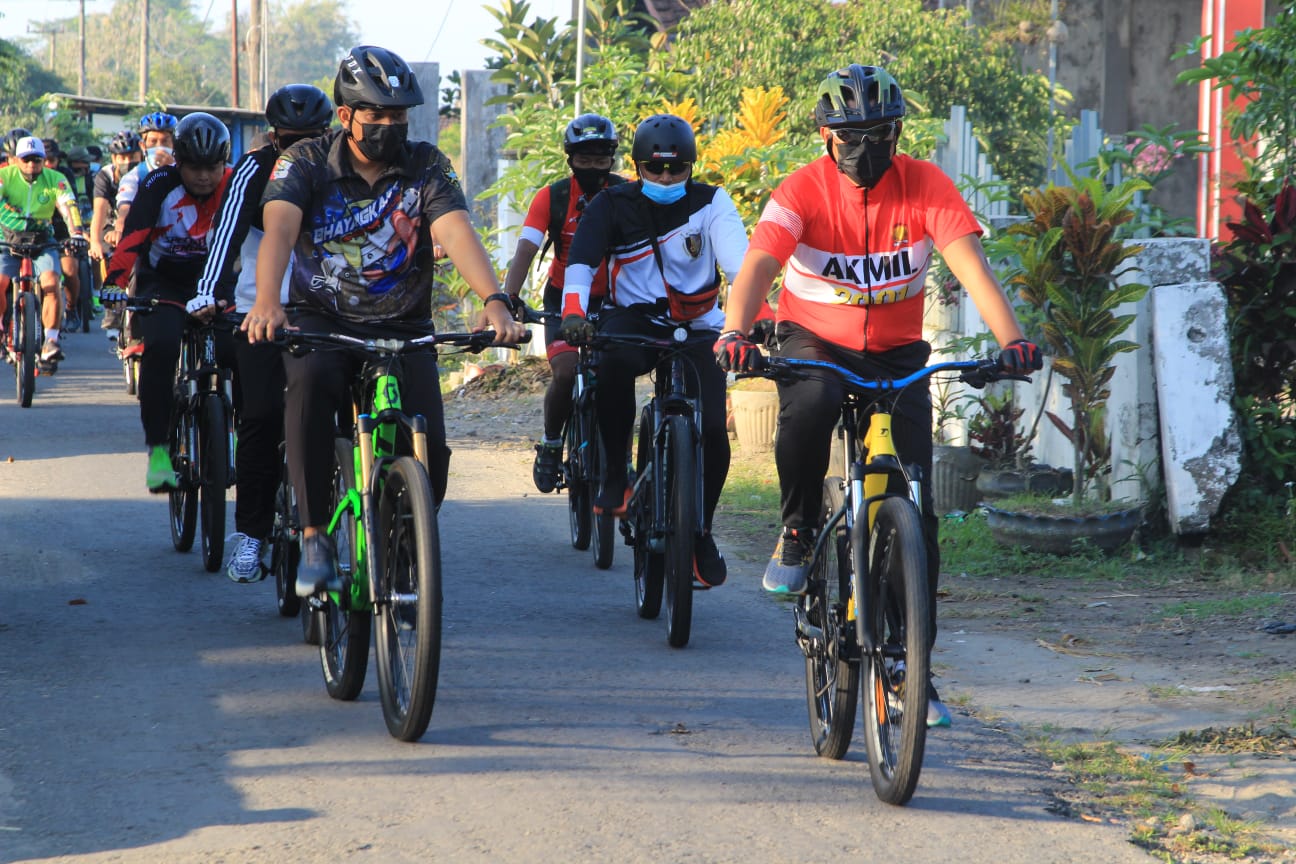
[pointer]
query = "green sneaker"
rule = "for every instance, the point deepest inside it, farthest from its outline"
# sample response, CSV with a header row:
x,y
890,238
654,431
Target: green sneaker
x,y
161,475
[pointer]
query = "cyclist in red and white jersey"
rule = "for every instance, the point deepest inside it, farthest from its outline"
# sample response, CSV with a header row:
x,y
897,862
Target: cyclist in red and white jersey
x,y
856,230
590,142
164,243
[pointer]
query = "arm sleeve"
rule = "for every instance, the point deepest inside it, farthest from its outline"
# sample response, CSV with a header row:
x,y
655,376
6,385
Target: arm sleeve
x,y
728,234
135,236
536,224
128,187
242,200
589,248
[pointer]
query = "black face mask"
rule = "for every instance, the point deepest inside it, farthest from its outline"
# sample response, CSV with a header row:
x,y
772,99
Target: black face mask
x,y
591,180
865,163
382,142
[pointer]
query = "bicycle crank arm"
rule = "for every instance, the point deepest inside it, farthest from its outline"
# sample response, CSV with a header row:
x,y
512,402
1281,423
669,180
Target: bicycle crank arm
x,y
809,637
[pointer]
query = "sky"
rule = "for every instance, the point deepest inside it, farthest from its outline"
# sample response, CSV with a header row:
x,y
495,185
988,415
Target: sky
x,y
441,31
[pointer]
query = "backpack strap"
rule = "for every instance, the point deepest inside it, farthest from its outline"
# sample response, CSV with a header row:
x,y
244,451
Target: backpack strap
x,y
559,201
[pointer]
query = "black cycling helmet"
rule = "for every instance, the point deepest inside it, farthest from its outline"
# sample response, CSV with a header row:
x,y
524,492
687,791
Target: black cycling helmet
x,y
201,139
11,139
79,154
300,107
858,95
590,133
664,136
158,121
377,78
124,143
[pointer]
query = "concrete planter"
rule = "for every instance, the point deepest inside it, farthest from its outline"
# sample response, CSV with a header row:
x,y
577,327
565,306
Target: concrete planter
x,y
755,415
954,478
992,483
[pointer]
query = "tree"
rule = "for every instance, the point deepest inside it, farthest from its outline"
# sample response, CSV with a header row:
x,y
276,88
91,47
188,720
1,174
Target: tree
x,y
939,60
307,40
23,82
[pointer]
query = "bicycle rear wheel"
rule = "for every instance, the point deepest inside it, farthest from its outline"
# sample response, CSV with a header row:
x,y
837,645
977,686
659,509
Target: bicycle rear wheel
x,y
285,550
26,342
832,676
604,528
213,480
649,568
681,501
895,687
130,368
344,620
85,299
183,497
409,604
578,481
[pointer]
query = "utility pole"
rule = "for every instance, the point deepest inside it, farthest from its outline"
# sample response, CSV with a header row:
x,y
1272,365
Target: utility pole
x,y
234,70
143,48
255,51
52,32
81,37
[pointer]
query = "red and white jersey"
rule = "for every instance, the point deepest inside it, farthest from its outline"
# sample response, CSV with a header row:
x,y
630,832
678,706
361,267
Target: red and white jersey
x,y
537,226
855,258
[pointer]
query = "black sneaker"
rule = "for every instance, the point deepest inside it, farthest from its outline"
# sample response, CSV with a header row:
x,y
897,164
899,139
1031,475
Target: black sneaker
x,y
548,464
708,564
789,567
317,569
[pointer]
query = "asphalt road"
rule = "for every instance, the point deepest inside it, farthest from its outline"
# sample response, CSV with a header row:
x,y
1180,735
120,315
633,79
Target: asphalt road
x,y
153,712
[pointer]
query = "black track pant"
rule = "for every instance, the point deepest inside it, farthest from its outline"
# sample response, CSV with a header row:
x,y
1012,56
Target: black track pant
x,y
260,432
161,330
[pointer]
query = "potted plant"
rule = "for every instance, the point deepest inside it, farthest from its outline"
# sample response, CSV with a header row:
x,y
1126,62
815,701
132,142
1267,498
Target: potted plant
x,y
954,466
1009,468
1070,258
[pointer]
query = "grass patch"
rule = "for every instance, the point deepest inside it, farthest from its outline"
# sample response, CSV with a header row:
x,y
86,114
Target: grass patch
x,y
1233,607
1150,790
748,512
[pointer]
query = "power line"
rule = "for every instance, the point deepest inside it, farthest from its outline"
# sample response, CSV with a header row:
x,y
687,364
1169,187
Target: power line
x,y
444,18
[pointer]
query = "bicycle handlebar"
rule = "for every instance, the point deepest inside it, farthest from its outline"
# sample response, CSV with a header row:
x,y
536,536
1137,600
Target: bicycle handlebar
x,y
472,342
974,373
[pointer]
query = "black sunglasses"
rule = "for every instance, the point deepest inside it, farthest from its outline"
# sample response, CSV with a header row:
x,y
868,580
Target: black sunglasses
x,y
33,159
873,134
659,166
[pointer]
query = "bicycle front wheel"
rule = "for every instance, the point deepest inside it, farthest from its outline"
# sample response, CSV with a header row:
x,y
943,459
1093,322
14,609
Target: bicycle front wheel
x,y
26,342
895,689
213,480
183,497
681,500
409,603
579,481
832,675
649,568
345,617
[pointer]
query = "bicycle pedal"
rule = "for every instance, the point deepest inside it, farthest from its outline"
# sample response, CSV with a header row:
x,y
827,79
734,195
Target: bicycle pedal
x,y
700,586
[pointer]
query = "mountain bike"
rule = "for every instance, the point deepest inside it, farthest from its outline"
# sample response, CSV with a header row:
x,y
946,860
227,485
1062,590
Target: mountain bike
x,y
25,329
285,555
665,515
384,528
201,439
865,613
583,457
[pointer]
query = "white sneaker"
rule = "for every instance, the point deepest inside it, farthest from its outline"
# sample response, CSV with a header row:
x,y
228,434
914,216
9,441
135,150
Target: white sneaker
x,y
52,351
245,561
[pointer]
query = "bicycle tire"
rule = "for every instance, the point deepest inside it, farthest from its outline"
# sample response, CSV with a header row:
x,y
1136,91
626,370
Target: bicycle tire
x,y
408,613
285,548
681,484
130,368
85,297
344,628
649,566
578,482
832,677
604,524
183,497
213,480
895,683
26,343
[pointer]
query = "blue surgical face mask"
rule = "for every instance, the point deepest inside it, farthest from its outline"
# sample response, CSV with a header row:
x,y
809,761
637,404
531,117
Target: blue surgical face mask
x,y
660,193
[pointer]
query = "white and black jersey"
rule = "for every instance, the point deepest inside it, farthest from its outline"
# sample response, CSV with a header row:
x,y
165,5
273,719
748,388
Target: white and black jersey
x,y
697,238
237,232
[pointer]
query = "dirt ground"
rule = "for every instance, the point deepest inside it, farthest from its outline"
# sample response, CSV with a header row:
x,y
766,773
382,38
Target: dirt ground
x,y
1076,662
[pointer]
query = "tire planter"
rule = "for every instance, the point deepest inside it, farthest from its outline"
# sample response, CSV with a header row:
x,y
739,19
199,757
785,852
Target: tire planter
x,y
1058,534
994,483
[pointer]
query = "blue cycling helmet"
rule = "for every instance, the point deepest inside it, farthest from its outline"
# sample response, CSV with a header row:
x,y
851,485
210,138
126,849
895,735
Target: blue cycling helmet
x,y
158,121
